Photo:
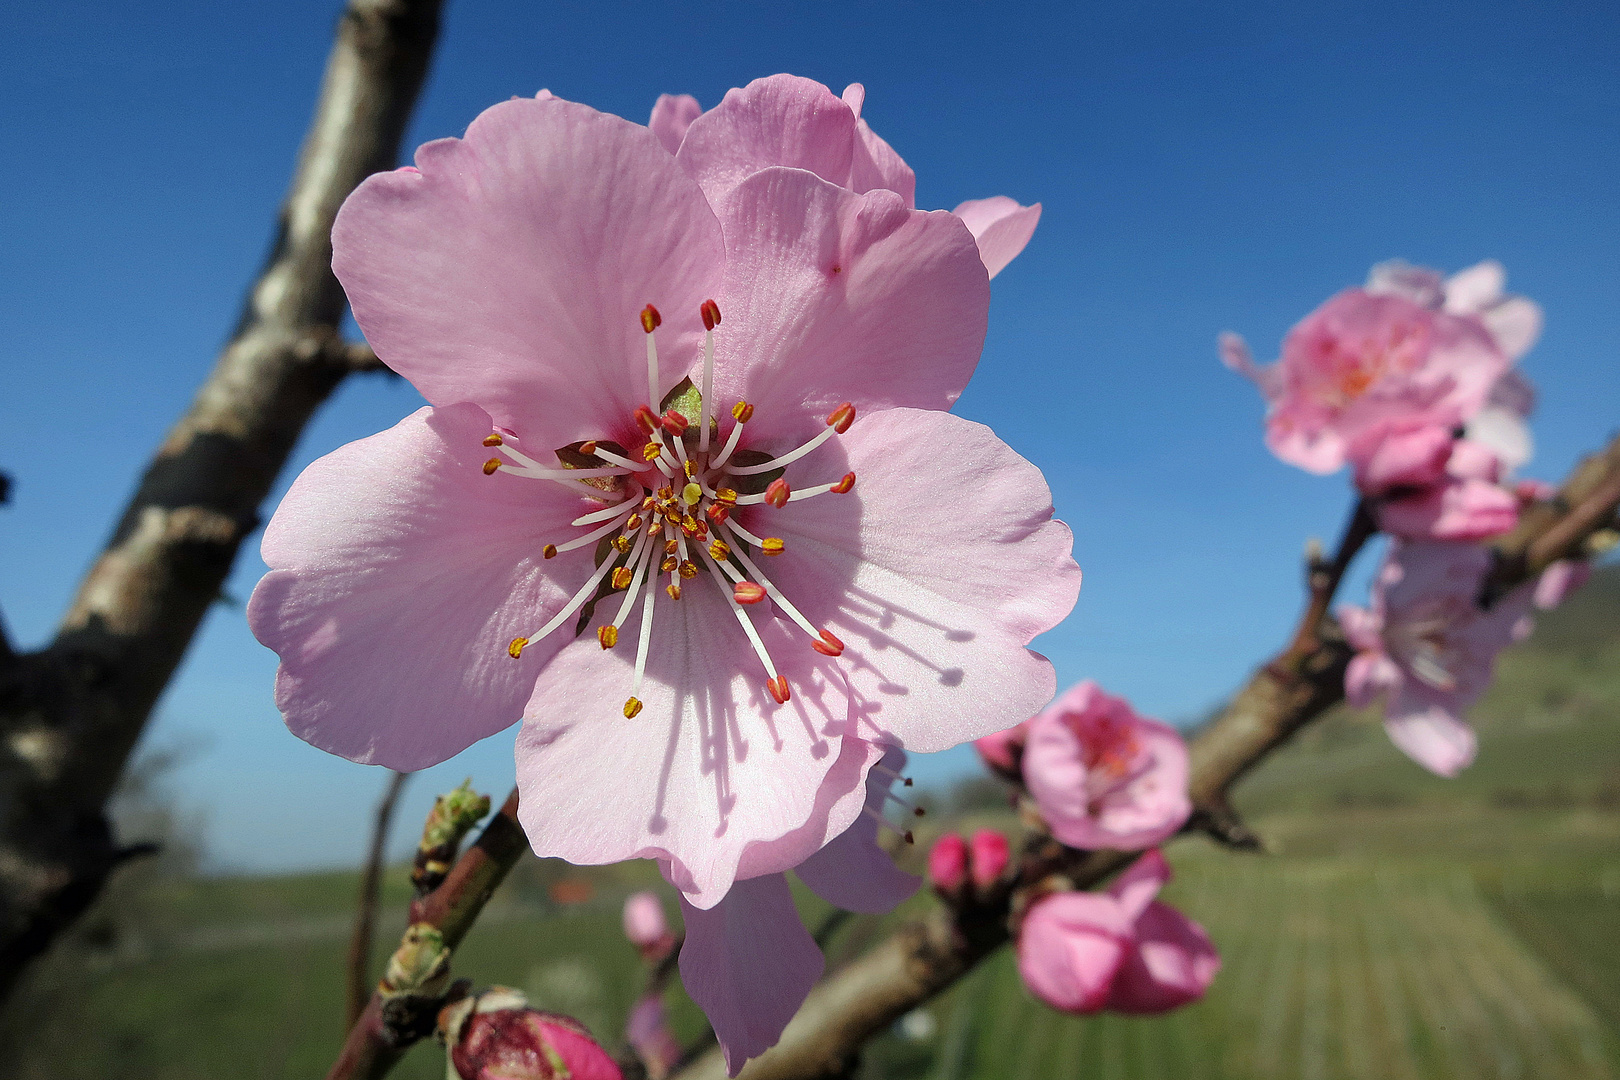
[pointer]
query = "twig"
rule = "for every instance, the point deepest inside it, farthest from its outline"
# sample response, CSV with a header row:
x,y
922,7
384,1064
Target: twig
x,y
359,964
70,718
402,1009
926,956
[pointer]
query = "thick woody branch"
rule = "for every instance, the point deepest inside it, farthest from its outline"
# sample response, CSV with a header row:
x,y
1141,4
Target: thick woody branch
x,y
1297,686
70,715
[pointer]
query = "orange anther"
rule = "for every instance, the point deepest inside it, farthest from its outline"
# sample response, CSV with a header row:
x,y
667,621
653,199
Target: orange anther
x,y
675,423
621,577
741,412
515,649
632,708
779,689
840,418
674,591
650,319
843,486
622,543
717,513
491,465
588,447
492,439
726,497
827,645
549,551
651,451
689,570
646,419
632,523
720,550
772,545
778,493
711,314
690,469
746,592
608,635
671,546
668,565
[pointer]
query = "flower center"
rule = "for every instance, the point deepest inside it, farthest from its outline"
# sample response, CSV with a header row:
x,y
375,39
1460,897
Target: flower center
x,y
1426,644
669,512
1348,369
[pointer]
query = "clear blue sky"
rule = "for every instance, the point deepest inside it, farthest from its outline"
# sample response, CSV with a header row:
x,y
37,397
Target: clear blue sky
x,y
1203,167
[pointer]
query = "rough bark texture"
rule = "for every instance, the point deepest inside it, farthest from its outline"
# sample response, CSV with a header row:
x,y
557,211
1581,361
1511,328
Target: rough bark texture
x,y
924,957
71,713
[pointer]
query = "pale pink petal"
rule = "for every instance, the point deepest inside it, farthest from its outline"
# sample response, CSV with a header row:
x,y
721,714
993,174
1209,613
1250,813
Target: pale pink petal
x,y
1515,323
1362,627
1473,460
885,306
1369,675
1559,580
935,648
1001,227
1515,393
854,96
672,114
1070,947
1419,284
874,164
780,120
1404,457
1140,883
990,855
853,871
727,769
1430,734
1461,510
1171,963
748,963
1504,433
490,272
1472,291
399,574
1003,750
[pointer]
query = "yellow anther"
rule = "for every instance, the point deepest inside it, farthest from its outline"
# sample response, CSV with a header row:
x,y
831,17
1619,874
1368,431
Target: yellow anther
x,y
772,545
674,591
689,570
492,440
690,468
671,546
632,708
741,412
491,465
720,550
647,504
668,565
621,577
666,493
622,542
515,649
632,523
549,551
608,635
651,451
691,493
726,497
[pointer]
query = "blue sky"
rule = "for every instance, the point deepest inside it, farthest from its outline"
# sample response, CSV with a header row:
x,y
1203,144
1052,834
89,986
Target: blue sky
x,y
1202,166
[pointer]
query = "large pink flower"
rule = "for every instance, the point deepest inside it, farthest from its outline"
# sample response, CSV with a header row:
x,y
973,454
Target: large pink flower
x,y
1104,777
799,123
711,630
748,961
1409,352
1427,646
1122,949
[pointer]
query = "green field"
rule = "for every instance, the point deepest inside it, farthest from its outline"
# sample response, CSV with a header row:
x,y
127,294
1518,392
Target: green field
x,y
1401,926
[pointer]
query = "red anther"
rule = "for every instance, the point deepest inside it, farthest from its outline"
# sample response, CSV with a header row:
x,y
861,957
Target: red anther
x,y
711,314
650,319
646,419
840,418
778,493
779,689
746,592
717,513
843,486
675,423
827,645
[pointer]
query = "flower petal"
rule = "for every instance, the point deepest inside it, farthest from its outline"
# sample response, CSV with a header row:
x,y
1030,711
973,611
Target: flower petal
x,y
1140,883
1070,948
672,114
1429,733
834,297
936,572
1473,290
749,963
399,574
1171,963
489,272
779,120
1460,510
711,765
1369,675
1000,226
1515,323
853,872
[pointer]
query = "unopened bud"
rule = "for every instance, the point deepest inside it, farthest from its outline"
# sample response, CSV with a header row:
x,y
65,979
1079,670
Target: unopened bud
x,y
989,854
947,865
496,1036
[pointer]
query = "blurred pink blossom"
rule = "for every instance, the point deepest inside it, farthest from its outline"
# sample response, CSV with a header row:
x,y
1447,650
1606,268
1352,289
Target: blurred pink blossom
x,y
1003,751
645,925
948,864
989,853
649,1034
1559,580
1104,777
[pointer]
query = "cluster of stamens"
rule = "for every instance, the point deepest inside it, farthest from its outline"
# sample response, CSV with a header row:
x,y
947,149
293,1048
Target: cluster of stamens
x,y
669,513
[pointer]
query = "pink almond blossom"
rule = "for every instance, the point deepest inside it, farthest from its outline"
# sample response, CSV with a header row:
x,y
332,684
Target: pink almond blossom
x,y
1467,501
707,660
1123,950
1104,777
1390,360
799,123
749,962
1427,647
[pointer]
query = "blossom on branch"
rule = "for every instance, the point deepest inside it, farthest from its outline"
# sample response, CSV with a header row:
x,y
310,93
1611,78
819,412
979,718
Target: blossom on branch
x,y
1103,776
645,926
496,1036
1122,950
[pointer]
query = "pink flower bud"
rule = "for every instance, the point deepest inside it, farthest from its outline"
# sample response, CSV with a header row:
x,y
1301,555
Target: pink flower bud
x,y
947,863
1004,751
990,853
496,1036
644,921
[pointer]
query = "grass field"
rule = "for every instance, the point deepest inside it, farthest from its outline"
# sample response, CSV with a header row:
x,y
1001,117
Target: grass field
x,y
1402,927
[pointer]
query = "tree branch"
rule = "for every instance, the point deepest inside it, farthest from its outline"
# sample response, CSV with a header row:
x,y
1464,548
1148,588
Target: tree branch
x,y
70,716
358,969
1301,683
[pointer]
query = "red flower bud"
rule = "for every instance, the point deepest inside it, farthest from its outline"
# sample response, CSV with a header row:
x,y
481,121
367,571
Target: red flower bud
x,y
496,1036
